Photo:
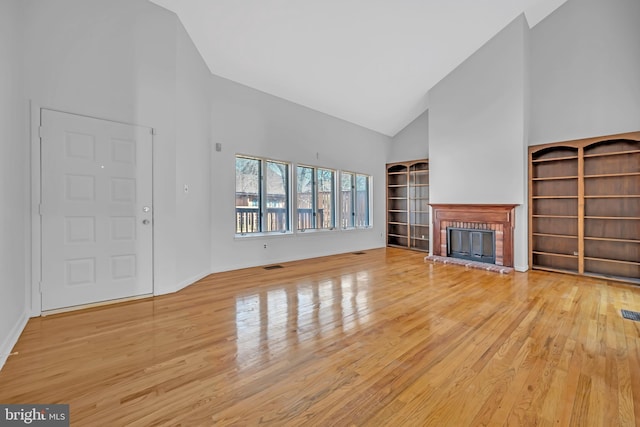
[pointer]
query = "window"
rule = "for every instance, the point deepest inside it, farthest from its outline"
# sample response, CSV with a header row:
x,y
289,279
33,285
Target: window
x,y
315,198
346,199
322,199
355,200
326,198
305,199
248,201
262,195
362,201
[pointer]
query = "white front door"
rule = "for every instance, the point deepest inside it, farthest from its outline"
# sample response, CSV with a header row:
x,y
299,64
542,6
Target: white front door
x,y
96,210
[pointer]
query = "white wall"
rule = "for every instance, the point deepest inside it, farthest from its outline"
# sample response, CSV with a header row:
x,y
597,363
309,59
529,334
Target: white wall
x,y
246,121
126,60
412,142
193,157
477,135
585,74
14,187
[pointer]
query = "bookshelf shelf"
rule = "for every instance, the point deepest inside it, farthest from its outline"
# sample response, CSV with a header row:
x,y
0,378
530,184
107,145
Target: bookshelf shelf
x,y
584,207
408,205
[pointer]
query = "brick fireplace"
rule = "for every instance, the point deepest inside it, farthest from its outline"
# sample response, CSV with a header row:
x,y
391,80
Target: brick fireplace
x,y
498,218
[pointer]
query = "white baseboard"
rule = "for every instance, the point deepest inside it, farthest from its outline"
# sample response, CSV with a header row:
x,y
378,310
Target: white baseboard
x,y
191,280
7,345
521,268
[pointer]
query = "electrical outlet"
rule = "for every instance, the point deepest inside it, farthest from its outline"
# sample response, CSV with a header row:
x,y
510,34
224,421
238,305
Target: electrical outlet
x,y
265,246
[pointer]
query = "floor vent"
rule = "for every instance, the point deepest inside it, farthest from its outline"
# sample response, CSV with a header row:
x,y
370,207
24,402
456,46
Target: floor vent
x,y
273,267
631,315
359,253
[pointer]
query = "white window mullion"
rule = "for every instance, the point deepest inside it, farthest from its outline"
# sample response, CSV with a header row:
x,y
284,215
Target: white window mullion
x,y
314,197
263,198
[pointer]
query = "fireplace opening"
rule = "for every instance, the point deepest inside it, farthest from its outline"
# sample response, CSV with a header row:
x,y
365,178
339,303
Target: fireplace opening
x,y
471,244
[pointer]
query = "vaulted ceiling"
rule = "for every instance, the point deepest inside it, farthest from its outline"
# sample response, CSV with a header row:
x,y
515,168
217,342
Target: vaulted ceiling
x,y
369,62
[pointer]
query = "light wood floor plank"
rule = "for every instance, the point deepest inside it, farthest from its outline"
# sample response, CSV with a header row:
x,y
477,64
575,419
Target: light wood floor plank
x,y
376,339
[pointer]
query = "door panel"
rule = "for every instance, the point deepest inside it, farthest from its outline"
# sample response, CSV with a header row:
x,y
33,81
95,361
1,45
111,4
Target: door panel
x,y
96,210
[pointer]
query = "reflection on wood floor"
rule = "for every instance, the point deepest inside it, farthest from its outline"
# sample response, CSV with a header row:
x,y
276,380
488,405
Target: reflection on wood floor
x,y
376,339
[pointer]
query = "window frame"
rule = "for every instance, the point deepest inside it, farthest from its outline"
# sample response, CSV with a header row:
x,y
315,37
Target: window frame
x,y
352,220
263,197
367,209
347,219
314,202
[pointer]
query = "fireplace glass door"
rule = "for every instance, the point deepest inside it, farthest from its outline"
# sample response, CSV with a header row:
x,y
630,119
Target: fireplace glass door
x,y
471,244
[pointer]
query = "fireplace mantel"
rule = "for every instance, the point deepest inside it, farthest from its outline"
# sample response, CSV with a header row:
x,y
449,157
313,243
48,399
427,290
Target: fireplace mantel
x,y
501,216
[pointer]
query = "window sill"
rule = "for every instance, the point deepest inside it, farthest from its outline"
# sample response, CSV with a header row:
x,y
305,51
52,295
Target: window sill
x,y
306,232
271,235
312,231
357,229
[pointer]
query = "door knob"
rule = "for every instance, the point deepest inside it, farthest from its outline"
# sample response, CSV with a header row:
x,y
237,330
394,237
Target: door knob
x,y
145,221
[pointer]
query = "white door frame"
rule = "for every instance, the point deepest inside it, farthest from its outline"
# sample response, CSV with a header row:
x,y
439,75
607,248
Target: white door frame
x,y
36,193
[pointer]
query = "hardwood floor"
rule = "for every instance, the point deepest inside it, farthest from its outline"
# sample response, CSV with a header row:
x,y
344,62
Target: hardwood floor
x,y
376,339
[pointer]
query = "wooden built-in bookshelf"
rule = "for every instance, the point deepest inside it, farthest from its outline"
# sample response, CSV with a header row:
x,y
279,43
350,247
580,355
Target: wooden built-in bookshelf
x,y
408,204
584,207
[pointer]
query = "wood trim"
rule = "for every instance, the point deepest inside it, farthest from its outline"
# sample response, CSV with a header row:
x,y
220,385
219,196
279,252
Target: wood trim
x,y
530,208
577,143
486,214
581,210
